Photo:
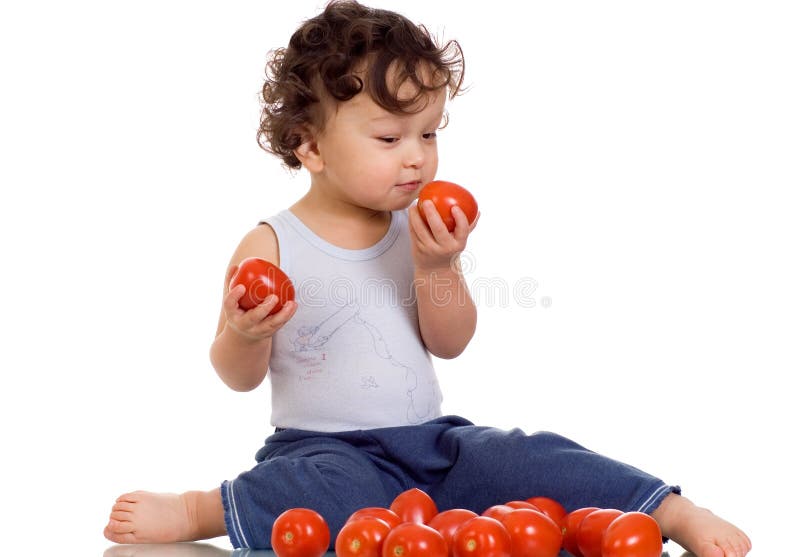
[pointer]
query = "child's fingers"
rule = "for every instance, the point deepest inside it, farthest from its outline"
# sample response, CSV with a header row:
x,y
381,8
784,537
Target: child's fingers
x,y
418,225
462,229
231,300
475,222
229,275
285,313
435,222
262,310
271,323
235,294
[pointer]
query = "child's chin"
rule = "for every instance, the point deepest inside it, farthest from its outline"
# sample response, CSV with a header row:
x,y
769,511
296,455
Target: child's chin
x,y
404,206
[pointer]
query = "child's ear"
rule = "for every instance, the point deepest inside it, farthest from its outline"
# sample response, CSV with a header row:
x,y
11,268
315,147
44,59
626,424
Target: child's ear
x,y
308,151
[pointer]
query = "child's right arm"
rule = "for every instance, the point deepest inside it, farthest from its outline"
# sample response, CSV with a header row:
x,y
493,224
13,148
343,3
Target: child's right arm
x,y
241,350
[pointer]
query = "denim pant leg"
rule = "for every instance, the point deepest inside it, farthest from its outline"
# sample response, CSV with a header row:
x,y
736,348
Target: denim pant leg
x,y
302,469
492,466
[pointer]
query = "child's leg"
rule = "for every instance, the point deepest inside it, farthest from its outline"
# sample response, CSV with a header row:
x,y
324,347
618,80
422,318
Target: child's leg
x,y
333,476
493,466
295,469
144,517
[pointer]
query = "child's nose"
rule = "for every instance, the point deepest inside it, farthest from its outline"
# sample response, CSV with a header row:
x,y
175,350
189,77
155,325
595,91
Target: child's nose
x,y
415,155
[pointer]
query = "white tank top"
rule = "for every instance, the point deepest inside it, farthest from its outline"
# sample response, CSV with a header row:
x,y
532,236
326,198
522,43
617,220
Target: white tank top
x,y
352,356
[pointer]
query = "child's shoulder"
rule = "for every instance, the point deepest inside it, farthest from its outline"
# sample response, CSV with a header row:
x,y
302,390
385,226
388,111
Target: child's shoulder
x,y
260,241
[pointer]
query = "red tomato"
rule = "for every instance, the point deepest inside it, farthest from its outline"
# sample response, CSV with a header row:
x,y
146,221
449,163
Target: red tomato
x,y
497,511
388,516
412,539
262,279
447,522
446,195
522,505
632,534
300,533
362,538
550,507
570,526
533,534
414,505
482,537
591,530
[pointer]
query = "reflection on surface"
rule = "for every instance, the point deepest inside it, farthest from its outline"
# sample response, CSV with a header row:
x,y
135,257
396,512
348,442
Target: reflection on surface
x,y
195,549
168,550
192,549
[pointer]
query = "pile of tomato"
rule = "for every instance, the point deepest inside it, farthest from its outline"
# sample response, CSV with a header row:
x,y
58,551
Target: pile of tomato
x,y
413,527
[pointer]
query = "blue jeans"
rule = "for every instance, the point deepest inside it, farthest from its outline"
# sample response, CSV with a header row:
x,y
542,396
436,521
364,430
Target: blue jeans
x,y
458,464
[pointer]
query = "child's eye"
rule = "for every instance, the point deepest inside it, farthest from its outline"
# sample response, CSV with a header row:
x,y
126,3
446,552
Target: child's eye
x,y
431,135
388,139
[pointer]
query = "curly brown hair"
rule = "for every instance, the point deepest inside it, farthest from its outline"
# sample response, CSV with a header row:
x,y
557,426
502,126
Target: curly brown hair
x,y
327,55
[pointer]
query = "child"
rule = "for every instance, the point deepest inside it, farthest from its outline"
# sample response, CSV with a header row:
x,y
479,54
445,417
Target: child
x,y
356,99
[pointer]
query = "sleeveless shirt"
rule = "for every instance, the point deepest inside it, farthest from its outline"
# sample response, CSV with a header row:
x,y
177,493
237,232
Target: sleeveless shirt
x,y
352,356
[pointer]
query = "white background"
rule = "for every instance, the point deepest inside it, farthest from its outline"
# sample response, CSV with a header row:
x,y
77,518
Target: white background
x,y
638,160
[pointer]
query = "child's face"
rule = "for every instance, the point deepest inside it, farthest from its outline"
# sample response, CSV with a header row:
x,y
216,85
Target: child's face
x,y
377,159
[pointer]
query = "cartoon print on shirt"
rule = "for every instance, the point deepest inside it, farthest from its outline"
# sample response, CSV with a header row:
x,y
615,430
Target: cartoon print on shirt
x,y
315,337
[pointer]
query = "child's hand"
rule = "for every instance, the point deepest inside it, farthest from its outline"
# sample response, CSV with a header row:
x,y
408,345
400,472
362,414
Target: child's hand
x,y
254,324
433,247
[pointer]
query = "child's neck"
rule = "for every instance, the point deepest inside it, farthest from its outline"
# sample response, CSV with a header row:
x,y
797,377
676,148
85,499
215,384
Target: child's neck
x,y
341,224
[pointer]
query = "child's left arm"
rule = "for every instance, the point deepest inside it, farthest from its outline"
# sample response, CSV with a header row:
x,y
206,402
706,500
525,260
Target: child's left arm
x,y
447,314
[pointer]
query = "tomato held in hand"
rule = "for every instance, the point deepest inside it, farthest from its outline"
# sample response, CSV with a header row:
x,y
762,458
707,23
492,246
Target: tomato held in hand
x,y
300,533
632,534
262,279
412,539
591,530
533,534
414,505
362,538
482,537
446,195
550,507
447,522
570,526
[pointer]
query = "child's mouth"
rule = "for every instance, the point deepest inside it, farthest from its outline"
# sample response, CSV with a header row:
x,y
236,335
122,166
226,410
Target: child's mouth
x,y
409,186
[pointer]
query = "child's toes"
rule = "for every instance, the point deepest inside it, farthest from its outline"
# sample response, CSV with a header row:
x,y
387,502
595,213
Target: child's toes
x,y
742,546
119,531
710,549
120,517
123,506
746,543
131,497
734,548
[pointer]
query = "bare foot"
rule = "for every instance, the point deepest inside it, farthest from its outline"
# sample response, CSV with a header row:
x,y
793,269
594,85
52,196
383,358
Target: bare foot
x,y
699,530
144,517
